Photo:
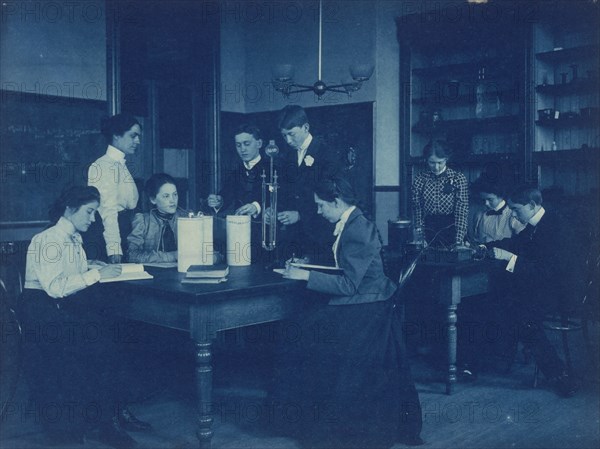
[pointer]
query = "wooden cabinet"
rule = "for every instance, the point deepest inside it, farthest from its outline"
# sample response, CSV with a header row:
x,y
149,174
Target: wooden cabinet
x,y
567,88
463,80
489,78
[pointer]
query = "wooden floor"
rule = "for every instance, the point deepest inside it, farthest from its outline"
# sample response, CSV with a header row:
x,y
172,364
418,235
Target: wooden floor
x,y
493,412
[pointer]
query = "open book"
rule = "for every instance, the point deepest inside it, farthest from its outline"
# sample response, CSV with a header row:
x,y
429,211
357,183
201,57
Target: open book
x,y
130,272
322,268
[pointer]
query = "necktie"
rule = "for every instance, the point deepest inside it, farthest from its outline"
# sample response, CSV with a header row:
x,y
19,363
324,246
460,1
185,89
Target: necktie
x,y
168,239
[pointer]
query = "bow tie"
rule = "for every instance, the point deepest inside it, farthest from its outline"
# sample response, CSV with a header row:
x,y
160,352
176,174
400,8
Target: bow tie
x,y
496,212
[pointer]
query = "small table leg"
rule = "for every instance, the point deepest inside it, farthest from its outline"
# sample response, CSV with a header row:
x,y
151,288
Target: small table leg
x,y
204,389
451,319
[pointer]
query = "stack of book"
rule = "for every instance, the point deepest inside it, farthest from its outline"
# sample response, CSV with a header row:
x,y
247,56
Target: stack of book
x,y
206,274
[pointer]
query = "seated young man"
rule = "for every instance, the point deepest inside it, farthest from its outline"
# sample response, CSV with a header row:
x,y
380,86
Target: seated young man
x,y
537,278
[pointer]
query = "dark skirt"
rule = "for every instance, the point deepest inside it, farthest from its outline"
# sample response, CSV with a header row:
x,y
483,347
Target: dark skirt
x,y
94,244
440,230
69,361
342,378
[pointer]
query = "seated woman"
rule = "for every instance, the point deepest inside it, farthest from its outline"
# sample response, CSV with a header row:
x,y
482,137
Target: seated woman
x,y
346,374
495,222
154,234
72,369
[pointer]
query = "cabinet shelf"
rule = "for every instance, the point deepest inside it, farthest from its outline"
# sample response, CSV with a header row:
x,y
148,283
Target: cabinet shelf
x,y
569,54
496,68
469,159
580,86
577,121
575,156
506,96
471,124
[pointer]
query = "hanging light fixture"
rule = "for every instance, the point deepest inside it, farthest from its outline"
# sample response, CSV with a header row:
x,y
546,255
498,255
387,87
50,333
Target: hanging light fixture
x,y
283,74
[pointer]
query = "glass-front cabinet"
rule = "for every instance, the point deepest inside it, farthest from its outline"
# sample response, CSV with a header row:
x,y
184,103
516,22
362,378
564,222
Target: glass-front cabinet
x,y
513,87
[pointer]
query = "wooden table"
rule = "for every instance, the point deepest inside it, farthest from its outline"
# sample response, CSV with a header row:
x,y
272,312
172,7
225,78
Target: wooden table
x,y
250,296
454,281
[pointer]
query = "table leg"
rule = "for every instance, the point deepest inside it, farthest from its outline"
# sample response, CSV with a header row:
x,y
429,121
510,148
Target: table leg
x,y
451,320
204,390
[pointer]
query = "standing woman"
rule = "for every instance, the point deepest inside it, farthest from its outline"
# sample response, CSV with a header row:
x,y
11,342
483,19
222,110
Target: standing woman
x,y
347,373
109,174
154,234
440,198
69,354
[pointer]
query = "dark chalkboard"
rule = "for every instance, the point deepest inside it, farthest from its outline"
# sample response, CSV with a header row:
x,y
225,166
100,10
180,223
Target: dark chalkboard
x,y
46,143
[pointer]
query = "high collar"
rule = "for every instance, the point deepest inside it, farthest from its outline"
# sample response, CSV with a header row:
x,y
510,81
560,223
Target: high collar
x,y
306,142
501,205
67,226
339,226
533,221
115,154
250,164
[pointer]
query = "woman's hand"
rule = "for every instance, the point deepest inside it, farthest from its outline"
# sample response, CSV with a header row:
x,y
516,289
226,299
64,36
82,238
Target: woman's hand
x,y
115,258
298,274
110,271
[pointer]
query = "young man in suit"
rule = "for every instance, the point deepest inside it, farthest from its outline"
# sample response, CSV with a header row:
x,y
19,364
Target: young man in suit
x,y
538,277
241,193
242,186
307,162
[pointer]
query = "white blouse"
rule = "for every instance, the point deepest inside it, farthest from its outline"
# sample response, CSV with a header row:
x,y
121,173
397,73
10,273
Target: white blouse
x,y
56,262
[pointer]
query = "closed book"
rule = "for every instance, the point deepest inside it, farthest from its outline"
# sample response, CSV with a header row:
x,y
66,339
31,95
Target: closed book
x,y
207,271
203,280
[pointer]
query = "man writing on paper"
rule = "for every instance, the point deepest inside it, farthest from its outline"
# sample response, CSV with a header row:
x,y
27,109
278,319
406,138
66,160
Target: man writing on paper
x,y
537,281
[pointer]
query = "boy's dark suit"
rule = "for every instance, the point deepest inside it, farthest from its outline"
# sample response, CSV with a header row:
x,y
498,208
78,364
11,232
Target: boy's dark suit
x,y
540,284
311,236
242,186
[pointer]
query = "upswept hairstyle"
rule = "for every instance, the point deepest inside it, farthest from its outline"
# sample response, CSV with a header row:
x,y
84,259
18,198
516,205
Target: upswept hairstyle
x,y
117,125
437,148
336,187
155,182
73,197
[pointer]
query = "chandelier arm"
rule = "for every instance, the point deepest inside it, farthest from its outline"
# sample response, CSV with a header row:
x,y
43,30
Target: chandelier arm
x,y
303,89
337,86
333,89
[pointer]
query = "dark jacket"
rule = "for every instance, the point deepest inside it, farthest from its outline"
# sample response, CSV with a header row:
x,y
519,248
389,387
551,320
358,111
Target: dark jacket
x,y
241,186
543,276
311,234
359,257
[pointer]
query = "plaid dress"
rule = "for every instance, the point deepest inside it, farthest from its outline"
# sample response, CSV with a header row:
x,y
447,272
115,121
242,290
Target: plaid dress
x,y
443,194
